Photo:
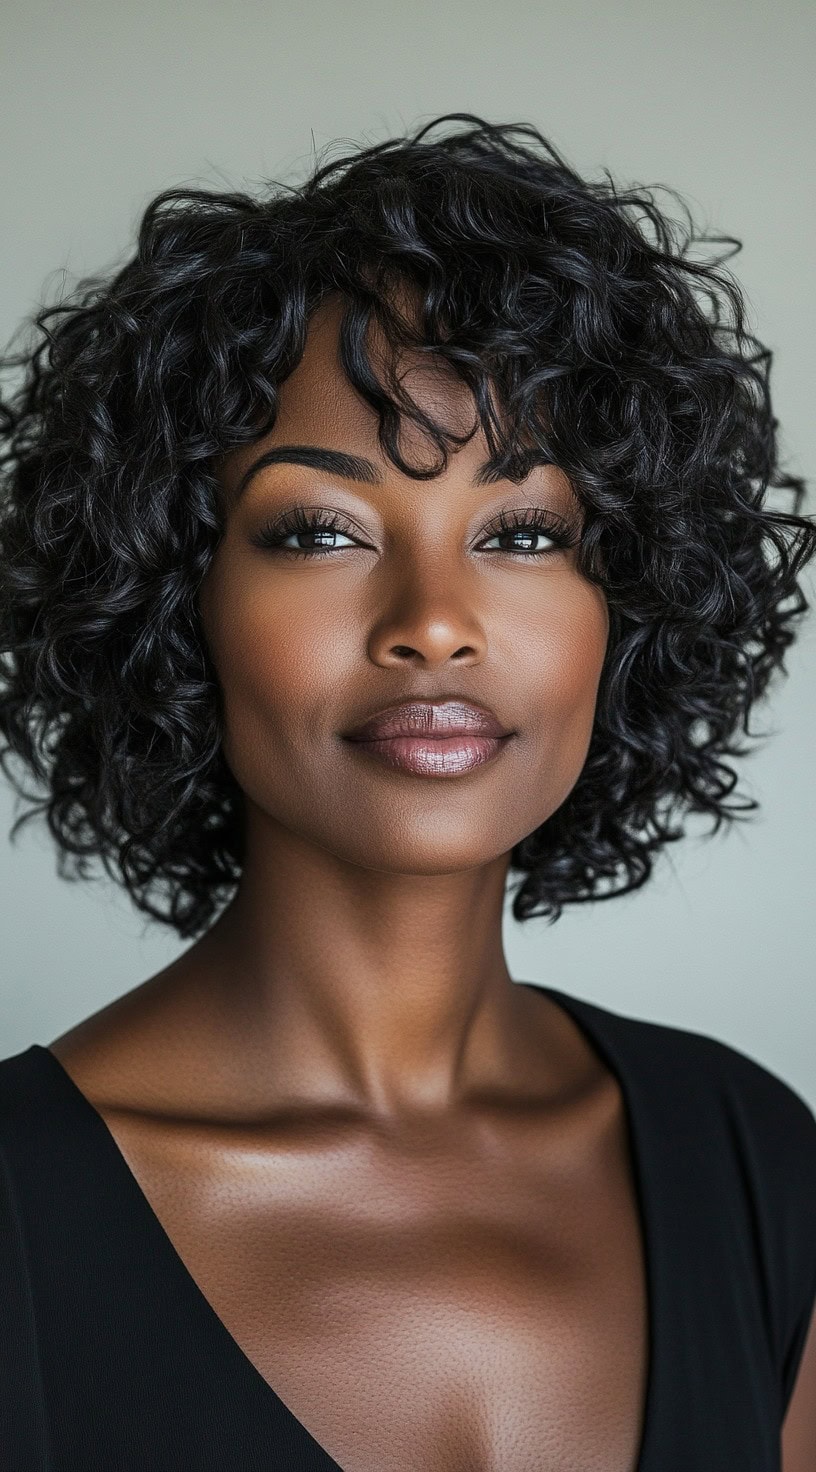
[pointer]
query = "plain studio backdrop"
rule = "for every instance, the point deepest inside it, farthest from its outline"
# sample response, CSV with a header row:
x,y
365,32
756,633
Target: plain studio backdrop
x,y
104,102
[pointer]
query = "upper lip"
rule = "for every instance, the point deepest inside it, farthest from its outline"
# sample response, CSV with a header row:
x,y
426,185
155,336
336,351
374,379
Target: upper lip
x,y
451,716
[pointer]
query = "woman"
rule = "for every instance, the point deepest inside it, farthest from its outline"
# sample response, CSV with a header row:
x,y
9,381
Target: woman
x,y
362,544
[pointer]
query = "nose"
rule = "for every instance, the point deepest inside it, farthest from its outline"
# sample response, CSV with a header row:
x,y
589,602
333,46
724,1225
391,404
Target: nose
x,y
429,620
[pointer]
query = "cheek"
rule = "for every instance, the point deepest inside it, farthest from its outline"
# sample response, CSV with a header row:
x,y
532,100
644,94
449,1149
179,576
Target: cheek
x,y
562,669
278,660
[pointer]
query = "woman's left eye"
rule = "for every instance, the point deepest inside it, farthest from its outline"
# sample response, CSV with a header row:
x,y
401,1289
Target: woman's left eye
x,y
531,525
525,537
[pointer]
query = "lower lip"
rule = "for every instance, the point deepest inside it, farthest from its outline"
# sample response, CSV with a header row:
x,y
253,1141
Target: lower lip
x,y
447,756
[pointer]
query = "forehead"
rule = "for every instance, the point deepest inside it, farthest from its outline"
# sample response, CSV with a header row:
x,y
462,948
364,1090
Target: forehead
x,y
318,404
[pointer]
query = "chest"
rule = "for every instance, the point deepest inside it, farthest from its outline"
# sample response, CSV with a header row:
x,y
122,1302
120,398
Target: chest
x,y
462,1307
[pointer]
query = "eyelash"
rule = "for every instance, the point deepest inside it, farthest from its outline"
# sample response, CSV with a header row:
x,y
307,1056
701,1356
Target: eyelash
x,y
301,518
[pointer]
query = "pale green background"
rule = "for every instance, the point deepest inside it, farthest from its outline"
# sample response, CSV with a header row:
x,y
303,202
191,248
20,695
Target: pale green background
x,y
102,104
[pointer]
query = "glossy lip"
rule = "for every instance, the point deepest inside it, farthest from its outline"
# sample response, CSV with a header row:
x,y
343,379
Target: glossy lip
x,y
432,720
442,738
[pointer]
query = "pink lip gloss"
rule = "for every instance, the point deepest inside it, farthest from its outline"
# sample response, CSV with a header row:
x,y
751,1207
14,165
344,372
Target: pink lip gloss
x,y
447,756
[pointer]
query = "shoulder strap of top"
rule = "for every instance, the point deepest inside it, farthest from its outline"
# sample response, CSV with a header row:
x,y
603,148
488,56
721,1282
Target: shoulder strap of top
x,y
774,1137
759,1135
23,1420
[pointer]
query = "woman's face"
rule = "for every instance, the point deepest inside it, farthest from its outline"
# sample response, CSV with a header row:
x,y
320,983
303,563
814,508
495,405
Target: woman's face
x,y
419,595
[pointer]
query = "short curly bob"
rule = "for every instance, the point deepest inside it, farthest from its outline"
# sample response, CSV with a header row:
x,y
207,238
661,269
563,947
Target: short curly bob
x,y
586,332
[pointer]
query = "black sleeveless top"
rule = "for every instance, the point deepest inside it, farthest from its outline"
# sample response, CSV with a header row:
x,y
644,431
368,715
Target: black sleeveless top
x,y
112,1358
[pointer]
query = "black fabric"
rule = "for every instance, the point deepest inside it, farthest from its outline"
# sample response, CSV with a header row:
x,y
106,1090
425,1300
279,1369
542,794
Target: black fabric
x,y
112,1358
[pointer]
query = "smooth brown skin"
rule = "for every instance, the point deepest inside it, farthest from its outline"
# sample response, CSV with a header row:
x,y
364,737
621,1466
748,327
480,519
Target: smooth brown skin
x,y
402,1182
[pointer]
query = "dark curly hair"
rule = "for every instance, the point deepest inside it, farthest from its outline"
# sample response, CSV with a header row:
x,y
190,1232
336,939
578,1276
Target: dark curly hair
x,y
587,333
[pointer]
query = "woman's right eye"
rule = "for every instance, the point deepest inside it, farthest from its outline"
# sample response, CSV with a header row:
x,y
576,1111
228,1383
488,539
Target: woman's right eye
x,y
323,536
321,527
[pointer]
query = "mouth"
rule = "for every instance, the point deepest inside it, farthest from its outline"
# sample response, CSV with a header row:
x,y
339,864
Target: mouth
x,y
431,738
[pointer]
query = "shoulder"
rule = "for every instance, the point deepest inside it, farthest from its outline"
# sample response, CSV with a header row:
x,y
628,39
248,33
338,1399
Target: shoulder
x,y
760,1104
27,1121
766,1125
743,1141
26,1094
40,1143
696,1068
731,1116
22,1414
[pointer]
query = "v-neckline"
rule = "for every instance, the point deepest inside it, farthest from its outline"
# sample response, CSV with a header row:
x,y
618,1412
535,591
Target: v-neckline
x,y
589,1018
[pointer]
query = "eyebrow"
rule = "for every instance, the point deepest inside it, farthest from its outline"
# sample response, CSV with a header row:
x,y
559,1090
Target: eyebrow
x,y
355,467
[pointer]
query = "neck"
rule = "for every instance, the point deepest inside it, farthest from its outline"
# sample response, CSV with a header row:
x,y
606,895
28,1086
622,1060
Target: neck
x,y
387,991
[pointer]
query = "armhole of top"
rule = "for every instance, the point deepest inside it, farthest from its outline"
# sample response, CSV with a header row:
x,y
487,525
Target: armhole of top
x,y
780,1127
796,1348
805,1175
785,1125
23,1424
